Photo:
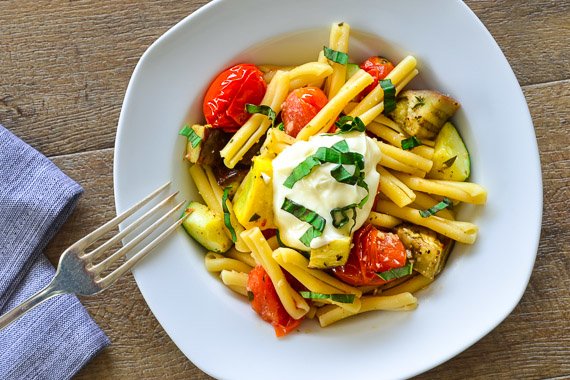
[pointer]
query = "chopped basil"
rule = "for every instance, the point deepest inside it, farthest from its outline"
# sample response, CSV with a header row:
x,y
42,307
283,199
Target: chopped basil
x,y
389,95
250,295
445,203
335,56
410,143
254,217
336,154
340,215
262,109
280,126
341,298
448,163
191,135
349,124
392,274
227,218
304,214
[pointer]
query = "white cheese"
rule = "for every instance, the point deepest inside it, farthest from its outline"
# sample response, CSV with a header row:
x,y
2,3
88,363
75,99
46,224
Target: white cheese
x,y
319,191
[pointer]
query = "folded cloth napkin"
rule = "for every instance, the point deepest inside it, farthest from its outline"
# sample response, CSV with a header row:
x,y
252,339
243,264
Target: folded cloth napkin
x,y
58,337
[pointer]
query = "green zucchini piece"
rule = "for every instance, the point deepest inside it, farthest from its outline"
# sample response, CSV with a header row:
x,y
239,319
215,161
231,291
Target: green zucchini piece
x,y
451,160
206,227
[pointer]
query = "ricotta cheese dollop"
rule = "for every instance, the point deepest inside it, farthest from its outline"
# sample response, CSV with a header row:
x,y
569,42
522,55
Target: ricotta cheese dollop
x,y
319,191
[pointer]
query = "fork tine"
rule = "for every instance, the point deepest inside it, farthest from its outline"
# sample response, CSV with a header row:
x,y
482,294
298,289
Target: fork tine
x,y
109,243
129,264
95,235
130,245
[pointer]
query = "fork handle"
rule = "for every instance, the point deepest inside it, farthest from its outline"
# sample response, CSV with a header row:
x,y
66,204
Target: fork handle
x,y
49,291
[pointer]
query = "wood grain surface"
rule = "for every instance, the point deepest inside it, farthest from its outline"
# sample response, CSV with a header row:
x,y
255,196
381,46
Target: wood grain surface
x,y
65,66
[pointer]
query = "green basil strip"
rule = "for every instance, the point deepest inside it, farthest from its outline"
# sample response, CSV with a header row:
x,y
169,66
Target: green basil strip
x,y
191,135
340,298
300,171
445,203
280,126
344,176
349,124
262,109
227,219
340,215
335,56
389,95
392,274
410,143
338,154
306,215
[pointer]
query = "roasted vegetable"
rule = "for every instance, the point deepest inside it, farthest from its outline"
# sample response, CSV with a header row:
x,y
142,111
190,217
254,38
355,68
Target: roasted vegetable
x,y
422,113
331,255
207,151
226,177
428,251
206,227
450,159
253,201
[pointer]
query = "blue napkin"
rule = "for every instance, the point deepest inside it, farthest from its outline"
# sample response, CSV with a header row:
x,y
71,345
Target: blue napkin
x,y
58,337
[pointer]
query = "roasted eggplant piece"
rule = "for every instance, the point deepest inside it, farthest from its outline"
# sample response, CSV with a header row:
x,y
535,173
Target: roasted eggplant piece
x,y
207,151
429,251
422,113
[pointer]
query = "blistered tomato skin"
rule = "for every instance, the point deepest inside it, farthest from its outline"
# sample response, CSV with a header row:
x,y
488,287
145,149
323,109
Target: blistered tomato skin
x,y
300,107
373,252
225,100
379,68
266,302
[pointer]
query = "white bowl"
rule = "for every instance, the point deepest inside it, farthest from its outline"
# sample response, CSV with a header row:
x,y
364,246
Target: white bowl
x,y
481,284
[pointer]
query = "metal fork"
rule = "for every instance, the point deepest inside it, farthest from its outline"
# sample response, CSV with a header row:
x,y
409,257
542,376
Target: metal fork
x,y
77,271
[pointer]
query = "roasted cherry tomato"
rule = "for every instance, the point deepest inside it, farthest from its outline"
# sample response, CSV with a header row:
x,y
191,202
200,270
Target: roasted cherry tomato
x,y
378,67
300,107
267,304
225,100
374,251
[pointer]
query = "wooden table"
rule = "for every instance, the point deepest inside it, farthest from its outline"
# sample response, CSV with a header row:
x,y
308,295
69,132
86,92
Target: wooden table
x,y
64,71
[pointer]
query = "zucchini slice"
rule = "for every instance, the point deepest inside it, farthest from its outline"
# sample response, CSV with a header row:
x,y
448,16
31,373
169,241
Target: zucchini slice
x,y
206,227
451,160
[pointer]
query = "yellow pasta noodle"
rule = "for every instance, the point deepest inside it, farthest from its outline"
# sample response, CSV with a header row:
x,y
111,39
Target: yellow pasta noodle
x,y
244,257
395,189
397,75
462,191
395,138
314,284
338,41
373,112
413,285
309,74
275,142
328,114
383,220
217,263
392,163
257,124
462,232
292,301
331,314
424,201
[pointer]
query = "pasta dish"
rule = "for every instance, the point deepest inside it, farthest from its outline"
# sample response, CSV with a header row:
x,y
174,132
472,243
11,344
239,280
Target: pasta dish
x,y
328,188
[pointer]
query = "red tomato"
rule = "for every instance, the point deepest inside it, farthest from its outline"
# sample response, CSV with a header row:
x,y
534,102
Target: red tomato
x,y
373,251
225,100
378,67
267,304
300,107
